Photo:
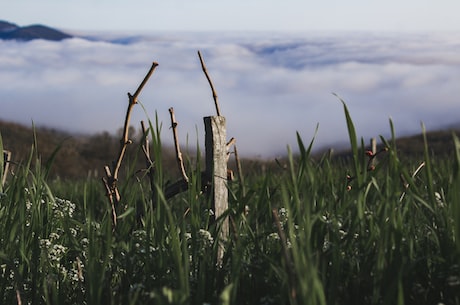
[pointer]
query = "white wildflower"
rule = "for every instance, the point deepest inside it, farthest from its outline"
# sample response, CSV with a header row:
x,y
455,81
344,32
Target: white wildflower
x,y
206,238
283,215
63,207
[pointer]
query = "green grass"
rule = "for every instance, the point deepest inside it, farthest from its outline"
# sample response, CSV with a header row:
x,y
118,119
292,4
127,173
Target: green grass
x,y
321,231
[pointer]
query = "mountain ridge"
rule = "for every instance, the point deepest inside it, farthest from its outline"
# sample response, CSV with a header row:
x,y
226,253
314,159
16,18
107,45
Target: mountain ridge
x,y
11,31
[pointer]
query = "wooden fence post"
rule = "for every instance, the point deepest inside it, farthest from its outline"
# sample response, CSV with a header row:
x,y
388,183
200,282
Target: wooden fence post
x,y
374,151
374,145
216,170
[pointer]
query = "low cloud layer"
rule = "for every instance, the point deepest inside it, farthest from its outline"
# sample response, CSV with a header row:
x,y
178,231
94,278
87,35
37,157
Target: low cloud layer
x,y
269,85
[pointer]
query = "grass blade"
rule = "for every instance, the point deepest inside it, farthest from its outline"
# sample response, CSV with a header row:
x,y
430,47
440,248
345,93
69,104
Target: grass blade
x,y
455,191
353,141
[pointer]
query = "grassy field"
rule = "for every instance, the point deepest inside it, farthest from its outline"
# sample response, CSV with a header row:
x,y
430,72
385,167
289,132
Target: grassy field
x,y
378,228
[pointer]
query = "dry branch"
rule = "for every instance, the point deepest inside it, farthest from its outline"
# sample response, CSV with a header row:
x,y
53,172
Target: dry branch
x,y
6,164
230,175
180,161
229,144
111,178
214,93
148,161
182,185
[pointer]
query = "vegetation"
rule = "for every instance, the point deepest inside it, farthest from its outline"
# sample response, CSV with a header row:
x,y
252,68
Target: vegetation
x,y
83,155
375,228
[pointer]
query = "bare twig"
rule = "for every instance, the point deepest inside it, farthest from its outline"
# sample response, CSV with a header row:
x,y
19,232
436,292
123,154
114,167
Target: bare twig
x,y
214,94
110,181
18,297
229,144
79,269
146,146
230,175
176,188
112,193
6,164
148,161
182,185
179,159
132,101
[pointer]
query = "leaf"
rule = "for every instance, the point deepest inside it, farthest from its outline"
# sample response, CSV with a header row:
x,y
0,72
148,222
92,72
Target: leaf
x,y
455,196
305,153
126,213
429,172
353,140
225,296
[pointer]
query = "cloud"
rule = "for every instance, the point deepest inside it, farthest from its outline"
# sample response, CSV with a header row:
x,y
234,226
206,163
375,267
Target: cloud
x,y
269,85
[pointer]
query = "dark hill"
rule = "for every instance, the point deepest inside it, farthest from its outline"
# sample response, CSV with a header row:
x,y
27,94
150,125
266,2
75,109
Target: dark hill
x,y
78,156
6,26
440,145
83,155
26,33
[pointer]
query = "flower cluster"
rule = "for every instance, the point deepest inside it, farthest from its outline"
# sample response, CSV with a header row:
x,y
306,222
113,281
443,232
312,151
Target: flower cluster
x,y
52,254
63,208
204,241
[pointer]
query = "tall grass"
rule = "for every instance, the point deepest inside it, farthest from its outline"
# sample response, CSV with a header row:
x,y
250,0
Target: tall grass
x,y
316,231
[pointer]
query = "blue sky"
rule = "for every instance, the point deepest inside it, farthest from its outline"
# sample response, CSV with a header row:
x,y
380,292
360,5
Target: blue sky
x,y
241,15
274,64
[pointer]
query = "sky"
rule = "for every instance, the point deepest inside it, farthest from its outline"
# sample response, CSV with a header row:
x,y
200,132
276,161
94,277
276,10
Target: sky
x,y
275,66
236,15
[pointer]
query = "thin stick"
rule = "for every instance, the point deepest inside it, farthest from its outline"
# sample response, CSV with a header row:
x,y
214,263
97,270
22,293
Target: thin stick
x,y
229,144
110,181
112,194
214,94
179,159
18,297
132,101
6,164
148,161
144,81
146,146
182,185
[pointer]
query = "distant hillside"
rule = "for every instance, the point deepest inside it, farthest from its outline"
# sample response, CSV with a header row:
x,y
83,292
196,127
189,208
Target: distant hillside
x,y
83,155
12,31
440,145
6,26
78,155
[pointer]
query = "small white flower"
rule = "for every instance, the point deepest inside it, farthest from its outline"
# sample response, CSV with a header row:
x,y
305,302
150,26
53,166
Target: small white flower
x,y
45,243
206,238
54,236
74,232
63,207
273,236
283,215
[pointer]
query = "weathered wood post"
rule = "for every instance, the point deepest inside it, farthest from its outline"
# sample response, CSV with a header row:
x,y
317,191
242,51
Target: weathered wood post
x,y
374,152
216,171
374,145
